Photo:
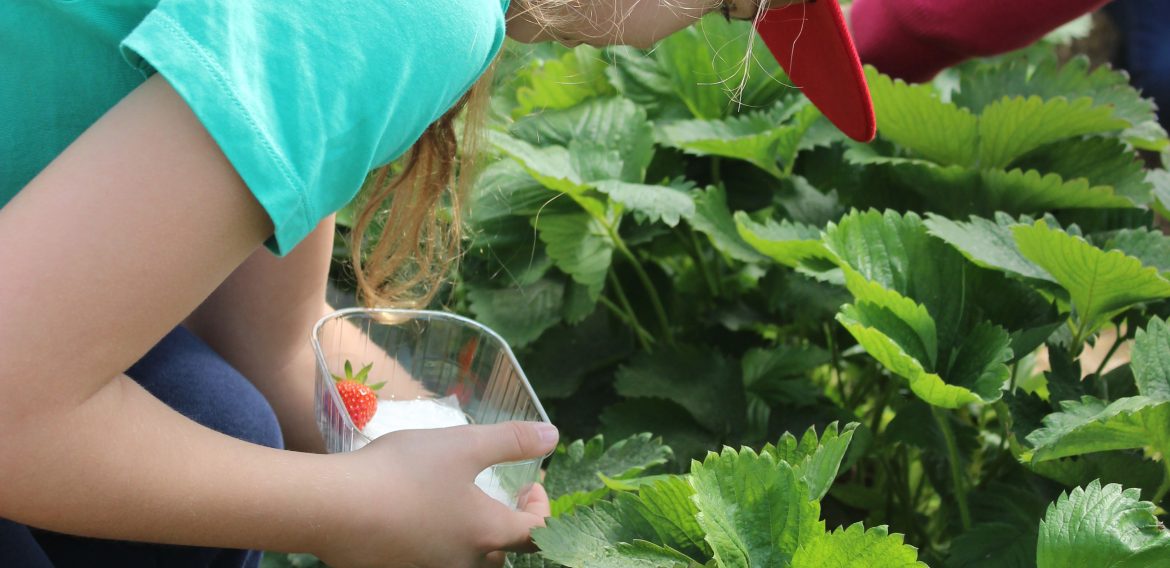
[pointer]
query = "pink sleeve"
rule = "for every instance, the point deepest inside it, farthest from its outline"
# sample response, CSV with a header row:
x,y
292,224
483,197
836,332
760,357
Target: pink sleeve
x,y
915,39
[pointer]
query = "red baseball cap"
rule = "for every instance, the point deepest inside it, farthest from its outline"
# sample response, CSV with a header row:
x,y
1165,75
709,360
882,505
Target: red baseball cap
x,y
811,42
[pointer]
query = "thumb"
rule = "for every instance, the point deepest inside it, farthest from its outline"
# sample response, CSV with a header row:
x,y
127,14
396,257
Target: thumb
x,y
509,442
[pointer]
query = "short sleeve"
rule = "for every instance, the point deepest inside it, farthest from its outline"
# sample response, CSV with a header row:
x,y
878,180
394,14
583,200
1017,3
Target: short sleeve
x,y
305,98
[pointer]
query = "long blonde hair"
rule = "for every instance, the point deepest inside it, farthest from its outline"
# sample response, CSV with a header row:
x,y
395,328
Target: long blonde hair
x,y
418,246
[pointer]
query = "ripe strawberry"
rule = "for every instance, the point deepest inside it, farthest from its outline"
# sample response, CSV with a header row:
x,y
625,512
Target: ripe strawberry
x,y
360,399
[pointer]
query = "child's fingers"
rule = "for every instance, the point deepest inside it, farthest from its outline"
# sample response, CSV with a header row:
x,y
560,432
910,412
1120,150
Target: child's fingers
x,y
507,442
538,503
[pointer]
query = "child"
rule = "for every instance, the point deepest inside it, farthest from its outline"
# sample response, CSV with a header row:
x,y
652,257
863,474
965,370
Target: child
x,y
147,150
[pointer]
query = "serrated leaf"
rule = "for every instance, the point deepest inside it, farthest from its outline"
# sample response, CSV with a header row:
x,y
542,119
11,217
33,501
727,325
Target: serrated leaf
x,y
1102,526
580,246
588,537
915,117
907,313
1152,248
1151,360
816,461
928,386
656,202
1092,425
755,510
785,242
561,83
855,547
764,139
1020,191
706,63
699,379
669,506
612,124
577,467
712,218
1102,161
1010,128
1100,284
987,243
1048,79
519,313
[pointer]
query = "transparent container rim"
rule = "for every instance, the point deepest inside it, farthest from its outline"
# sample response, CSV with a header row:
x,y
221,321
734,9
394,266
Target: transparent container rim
x,y
421,314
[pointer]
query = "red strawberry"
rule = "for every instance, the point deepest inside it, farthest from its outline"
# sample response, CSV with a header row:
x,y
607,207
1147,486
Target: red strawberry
x,y
360,399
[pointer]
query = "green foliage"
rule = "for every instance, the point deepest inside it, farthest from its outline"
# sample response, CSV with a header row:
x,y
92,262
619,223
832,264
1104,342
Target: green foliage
x,y
578,473
668,260
734,509
1102,526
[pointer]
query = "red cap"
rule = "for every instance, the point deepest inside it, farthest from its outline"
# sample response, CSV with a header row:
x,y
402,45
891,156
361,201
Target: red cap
x,y
812,44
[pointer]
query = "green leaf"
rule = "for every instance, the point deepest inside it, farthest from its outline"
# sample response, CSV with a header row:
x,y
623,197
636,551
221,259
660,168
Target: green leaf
x,y
915,117
700,379
870,327
855,547
577,468
785,242
588,537
815,461
713,219
1151,360
1160,180
1102,161
1047,79
707,62
1092,425
1100,284
669,506
1010,128
1021,191
1152,248
754,509
987,243
656,202
1102,526
764,139
561,83
519,313
613,125
580,246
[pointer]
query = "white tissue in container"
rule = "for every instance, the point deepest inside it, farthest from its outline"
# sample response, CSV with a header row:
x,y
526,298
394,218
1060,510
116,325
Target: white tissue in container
x,y
440,370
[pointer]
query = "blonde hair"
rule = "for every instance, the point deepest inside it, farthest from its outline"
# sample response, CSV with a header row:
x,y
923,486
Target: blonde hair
x,y
417,245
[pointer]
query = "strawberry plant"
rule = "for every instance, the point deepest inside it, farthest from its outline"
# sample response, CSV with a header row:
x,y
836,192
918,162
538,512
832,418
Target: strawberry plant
x,y
680,245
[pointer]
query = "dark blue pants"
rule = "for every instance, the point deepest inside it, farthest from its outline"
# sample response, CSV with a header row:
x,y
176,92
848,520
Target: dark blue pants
x,y
188,376
1145,48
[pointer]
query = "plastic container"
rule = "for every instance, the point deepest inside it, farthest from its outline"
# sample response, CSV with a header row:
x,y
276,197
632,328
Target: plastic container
x,y
425,356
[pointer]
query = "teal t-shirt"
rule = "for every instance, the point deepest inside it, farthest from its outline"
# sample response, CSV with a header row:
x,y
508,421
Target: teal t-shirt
x,y
304,97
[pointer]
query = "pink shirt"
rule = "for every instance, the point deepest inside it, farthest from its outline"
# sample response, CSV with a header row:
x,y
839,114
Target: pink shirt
x,y
915,39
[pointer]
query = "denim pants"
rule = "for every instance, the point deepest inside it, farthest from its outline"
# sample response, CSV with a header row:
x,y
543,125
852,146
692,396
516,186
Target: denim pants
x,y
190,377
1144,26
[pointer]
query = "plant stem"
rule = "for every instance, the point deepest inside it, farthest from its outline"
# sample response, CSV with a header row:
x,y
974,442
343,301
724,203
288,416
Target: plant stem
x,y
644,278
712,282
1165,487
716,173
629,310
644,337
957,477
1104,387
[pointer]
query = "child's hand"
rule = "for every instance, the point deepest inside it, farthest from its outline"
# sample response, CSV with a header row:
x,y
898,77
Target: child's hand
x,y
409,498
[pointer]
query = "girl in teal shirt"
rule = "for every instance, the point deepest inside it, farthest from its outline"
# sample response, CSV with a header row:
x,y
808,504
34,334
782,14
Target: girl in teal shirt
x,y
150,151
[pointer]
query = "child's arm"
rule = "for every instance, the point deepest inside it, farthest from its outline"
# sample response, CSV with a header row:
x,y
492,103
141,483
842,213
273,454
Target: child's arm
x,y
259,320
122,236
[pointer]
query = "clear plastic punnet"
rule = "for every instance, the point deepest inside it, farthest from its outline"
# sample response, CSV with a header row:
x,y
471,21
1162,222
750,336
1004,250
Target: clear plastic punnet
x,y
440,370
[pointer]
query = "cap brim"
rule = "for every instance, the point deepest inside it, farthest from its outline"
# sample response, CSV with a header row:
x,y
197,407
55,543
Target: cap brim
x,y
812,44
